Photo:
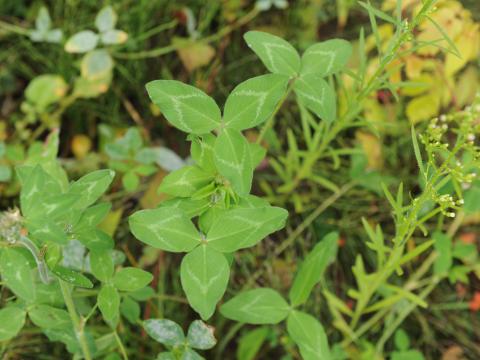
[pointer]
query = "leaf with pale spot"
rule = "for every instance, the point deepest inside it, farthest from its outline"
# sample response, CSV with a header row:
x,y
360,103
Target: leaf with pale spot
x,y
12,319
244,227
201,336
318,96
17,274
185,181
233,160
165,228
309,335
131,279
204,274
326,58
164,331
276,54
91,186
109,303
254,101
185,107
257,306
49,317
81,42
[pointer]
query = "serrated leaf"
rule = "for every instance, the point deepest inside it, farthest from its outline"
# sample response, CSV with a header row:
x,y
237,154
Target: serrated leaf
x,y
131,279
185,107
49,317
277,55
257,306
17,274
185,181
164,331
233,160
82,42
254,101
204,274
12,319
242,228
72,277
309,335
109,303
201,336
318,96
326,58
101,265
91,186
105,19
165,228
312,269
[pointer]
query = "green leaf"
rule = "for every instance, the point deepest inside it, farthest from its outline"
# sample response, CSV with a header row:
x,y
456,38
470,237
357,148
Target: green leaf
x,y
96,64
443,246
233,160
95,240
53,207
12,319
165,228
105,19
17,274
254,101
185,181
277,55
109,304
164,331
101,264
257,306
185,107
82,42
130,309
43,231
326,58
130,181
312,269
92,216
202,152
190,206
45,90
257,153
72,277
5,173
416,150
131,279
49,317
43,22
91,186
318,96
309,335
242,228
250,343
201,336
204,274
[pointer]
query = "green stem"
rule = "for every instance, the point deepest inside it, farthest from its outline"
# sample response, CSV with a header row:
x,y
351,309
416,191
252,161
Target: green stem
x,y
78,322
120,345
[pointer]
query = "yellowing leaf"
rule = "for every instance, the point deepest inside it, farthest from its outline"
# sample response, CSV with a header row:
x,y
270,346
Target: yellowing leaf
x,y
467,45
81,145
423,107
194,55
373,149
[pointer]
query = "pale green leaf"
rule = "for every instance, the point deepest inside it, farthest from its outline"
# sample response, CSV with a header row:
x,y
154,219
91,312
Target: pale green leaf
x,y
105,19
254,101
165,228
185,107
277,55
326,58
309,335
101,264
72,277
249,344
243,228
96,64
443,246
81,42
201,336
113,37
318,96
257,306
312,269
45,90
202,152
49,317
233,160
164,331
204,274
91,186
